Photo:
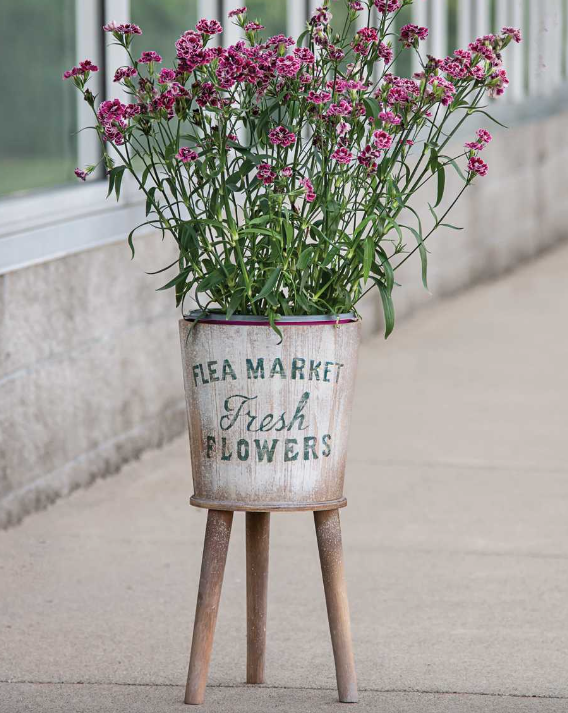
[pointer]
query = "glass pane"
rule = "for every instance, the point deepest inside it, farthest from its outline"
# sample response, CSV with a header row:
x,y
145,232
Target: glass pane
x,y
38,141
271,14
162,22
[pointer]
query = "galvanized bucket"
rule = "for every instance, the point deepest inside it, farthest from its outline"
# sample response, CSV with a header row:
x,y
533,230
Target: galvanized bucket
x,y
269,419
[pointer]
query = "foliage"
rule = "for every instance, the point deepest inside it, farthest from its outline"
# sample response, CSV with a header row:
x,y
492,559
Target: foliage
x,y
282,168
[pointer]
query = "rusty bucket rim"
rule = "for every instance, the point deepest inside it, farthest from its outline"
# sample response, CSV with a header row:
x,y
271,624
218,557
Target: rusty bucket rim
x,y
250,320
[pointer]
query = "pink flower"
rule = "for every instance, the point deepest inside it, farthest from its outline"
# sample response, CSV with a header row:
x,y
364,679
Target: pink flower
x,y
265,173
388,5
513,33
124,73
209,27
477,166
286,172
280,136
127,28
498,82
288,66
356,5
111,110
321,16
166,75
343,108
304,55
237,12
443,90
484,136
81,174
342,155
389,117
474,146
382,140
318,97
233,137
410,35
335,53
310,192
149,56
368,158
207,95
186,155
385,53
82,70
342,128
363,40
253,27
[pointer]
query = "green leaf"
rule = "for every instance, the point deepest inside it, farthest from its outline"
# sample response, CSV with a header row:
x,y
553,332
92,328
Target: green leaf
x,y
269,284
149,199
235,301
368,255
452,227
305,258
388,308
181,277
423,256
441,185
118,180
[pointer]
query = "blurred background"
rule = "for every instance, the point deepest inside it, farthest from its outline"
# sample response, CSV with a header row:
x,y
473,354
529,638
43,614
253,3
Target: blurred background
x,y
89,365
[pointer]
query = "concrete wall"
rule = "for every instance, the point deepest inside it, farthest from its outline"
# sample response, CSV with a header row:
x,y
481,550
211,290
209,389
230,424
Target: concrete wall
x,y
89,357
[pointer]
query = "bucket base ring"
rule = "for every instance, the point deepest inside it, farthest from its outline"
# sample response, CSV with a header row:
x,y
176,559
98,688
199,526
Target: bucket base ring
x,y
266,507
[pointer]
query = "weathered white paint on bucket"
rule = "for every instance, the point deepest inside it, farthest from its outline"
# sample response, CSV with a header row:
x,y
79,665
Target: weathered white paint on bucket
x,y
269,421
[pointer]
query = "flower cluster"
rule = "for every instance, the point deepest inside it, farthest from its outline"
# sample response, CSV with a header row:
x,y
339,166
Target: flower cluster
x,y
410,35
82,71
286,164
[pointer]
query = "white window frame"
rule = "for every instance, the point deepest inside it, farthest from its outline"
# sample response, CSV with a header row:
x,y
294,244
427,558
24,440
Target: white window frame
x,y
45,225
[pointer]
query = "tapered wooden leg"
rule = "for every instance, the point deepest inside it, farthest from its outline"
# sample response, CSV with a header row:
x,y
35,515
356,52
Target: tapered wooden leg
x,y
328,531
217,534
258,536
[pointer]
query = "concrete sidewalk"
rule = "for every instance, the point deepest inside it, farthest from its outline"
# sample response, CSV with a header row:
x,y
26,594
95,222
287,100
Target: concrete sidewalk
x,y
456,540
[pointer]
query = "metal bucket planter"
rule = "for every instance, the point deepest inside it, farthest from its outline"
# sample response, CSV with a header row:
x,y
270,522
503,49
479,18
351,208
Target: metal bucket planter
x,y
269,421
268,428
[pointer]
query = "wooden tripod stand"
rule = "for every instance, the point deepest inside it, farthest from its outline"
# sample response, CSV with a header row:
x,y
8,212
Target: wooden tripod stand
x,y
217,535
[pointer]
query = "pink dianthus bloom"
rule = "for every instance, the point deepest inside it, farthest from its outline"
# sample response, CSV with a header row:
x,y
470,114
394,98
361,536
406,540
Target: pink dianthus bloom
x,y
304,55
149,56
484,136
265,173
280,136
286,172
356,5
124,73
388,5
478,166
237,11
166,75
342,155
321,16
318,97
253,27
411,34
512,32
209,27
389,117
186,155
84,68
382,140
288,66
127,28
309,188
474,146
81,174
